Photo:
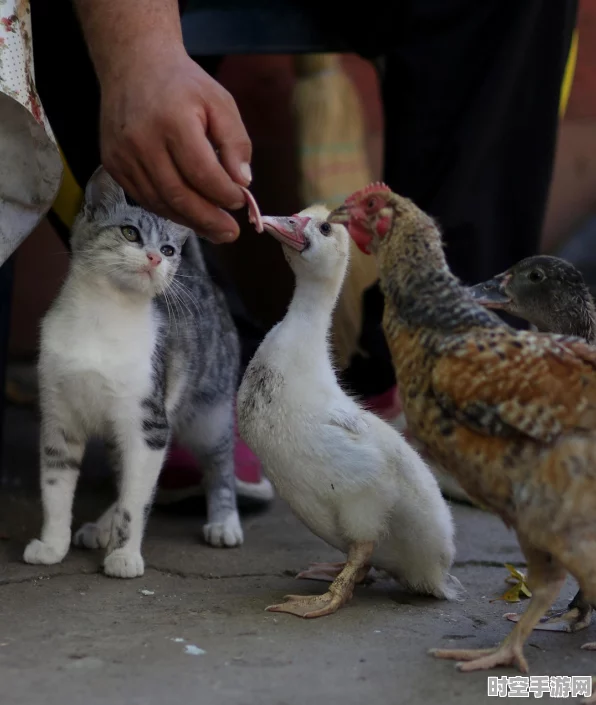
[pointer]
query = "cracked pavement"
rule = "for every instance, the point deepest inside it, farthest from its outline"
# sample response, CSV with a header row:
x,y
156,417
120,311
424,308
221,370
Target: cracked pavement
x,y
68,634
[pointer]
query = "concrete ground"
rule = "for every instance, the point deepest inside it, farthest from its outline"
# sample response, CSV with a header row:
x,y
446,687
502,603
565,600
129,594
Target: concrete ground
x,y
194,629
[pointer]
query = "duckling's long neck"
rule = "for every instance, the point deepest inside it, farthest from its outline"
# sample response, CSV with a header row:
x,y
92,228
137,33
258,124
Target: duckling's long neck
x,y
308,320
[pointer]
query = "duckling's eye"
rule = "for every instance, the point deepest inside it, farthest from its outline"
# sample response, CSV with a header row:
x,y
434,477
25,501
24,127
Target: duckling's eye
x,y
325,228
536,275
167,250
130,233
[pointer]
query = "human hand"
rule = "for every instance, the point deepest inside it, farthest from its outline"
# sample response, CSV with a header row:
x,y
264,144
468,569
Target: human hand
x,y
162,120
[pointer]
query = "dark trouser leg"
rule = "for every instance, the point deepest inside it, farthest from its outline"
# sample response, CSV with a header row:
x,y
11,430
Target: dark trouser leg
x,y
70,95
471,97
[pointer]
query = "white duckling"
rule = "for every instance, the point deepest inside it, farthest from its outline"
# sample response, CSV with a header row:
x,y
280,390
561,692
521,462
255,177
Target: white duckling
x,y
348,475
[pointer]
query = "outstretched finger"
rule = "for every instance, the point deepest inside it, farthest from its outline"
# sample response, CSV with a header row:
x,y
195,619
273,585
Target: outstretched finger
x,y
188,207
196,160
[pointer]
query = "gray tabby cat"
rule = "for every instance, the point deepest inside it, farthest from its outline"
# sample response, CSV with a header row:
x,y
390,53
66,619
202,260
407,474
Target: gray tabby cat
x,y
139,345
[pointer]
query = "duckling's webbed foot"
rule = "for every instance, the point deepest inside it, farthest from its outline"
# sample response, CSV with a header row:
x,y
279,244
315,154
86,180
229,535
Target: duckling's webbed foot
x,y
577,616
327,572
311,606
340,591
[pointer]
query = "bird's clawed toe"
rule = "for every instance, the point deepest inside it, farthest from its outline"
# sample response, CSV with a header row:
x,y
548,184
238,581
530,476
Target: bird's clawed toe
x,y
483,659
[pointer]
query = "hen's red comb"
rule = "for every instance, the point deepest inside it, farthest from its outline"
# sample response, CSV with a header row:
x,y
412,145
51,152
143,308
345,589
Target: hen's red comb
x,y
374,187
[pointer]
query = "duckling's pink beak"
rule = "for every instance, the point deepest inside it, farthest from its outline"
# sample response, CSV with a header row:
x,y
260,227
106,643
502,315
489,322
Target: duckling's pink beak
x,y
289,231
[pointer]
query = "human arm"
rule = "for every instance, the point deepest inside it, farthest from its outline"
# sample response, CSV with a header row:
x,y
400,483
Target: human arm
x,y
163,117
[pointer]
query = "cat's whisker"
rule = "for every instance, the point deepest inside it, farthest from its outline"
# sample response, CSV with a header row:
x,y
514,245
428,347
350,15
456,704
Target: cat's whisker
x,y
95,251
170,314
180,300
183,301
182,290
172,318
175,293
177,312
104,268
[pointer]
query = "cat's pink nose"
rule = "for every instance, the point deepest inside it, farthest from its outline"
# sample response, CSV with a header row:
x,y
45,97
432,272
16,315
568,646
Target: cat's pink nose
x,y
154,258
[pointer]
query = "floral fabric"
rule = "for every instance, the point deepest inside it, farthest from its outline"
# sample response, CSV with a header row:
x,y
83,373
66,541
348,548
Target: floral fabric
x,y
30,164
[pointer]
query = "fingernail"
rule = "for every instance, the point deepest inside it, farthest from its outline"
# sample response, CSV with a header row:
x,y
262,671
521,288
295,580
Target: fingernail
x,y
228,236
246,172
238,205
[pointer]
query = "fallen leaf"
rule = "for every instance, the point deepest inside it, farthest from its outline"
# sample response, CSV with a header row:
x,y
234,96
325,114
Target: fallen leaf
x,y
519,589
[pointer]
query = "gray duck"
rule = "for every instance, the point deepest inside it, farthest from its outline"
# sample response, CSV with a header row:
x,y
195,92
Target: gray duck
x,y
551,294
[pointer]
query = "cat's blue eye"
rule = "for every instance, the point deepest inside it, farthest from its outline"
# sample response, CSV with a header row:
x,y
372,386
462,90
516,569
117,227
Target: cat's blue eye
x,y
130,233
167,250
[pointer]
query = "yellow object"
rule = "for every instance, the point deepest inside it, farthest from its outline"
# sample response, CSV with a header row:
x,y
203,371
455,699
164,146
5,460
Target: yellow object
x,y
569,74
69,198
333,162
519,589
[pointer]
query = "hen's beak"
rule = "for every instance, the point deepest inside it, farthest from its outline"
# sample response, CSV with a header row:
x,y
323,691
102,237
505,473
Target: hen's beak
x,y
340,215
289,231
492,293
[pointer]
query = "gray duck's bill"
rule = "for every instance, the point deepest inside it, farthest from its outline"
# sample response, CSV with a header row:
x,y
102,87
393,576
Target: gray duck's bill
x,y
492,293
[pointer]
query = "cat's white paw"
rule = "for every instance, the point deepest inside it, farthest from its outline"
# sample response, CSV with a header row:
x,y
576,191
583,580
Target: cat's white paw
x,y
226,533
40,552
124,564
92,535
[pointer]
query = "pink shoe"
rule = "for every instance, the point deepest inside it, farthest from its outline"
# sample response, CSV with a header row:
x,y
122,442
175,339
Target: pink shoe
x,y
181,477
386,405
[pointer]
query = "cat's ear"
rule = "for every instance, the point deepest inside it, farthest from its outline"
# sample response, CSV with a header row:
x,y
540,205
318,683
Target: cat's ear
x,y
102,193
183,235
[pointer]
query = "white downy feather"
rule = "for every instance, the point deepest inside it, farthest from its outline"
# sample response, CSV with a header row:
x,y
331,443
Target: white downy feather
x,y
347,474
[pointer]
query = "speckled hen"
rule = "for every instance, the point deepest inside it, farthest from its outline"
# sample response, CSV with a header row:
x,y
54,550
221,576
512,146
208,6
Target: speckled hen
x,y
511,414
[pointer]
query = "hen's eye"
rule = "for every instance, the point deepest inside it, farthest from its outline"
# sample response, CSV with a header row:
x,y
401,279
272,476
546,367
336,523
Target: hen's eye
x,y
325,228
372,202
536,275
130,233
167,250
